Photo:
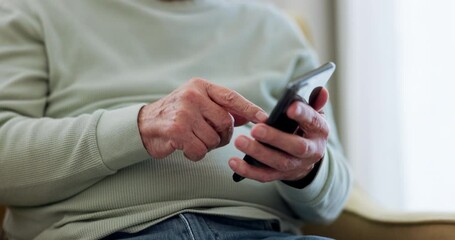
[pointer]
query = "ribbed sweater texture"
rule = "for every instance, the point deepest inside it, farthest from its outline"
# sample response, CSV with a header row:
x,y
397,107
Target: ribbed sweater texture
x,y
73,76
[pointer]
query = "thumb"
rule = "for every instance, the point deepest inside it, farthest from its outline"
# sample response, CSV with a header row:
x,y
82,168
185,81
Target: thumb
x,y
318,98
239,120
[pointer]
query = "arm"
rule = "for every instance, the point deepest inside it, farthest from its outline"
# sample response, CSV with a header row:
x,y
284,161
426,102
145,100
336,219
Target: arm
x,y
44,159
327,185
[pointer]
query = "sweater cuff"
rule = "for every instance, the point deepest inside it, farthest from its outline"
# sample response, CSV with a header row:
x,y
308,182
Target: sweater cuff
x,y
310,192
118,138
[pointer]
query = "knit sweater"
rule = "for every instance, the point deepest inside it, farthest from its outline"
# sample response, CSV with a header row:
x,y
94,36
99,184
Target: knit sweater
x,y
73,77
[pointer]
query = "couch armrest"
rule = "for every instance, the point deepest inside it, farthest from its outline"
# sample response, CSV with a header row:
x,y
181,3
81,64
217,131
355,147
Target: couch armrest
x,y
364,219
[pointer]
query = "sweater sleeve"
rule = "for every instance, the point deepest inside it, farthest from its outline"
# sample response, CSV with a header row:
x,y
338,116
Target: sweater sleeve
x,y
42,159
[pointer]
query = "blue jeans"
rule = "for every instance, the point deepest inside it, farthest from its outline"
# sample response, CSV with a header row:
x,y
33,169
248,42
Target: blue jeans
x,y
190,226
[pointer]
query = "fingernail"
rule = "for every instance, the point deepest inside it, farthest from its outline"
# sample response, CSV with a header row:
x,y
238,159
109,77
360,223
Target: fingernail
x,y
260,132
261,116
298,110
233,163
242,142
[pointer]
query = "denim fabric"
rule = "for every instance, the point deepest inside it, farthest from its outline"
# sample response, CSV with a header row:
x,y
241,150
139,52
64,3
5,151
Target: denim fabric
x,y
190,226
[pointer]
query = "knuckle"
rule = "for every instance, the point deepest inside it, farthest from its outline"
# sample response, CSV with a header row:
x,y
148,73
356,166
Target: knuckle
x,y
315,122
199,157
310,167
196,154
319,154
224,142
154,152
197,81
176,145
285,164
225,124
174,129
325,131
200,150
190,94
309,149
302,148
247,107
234,99
230,96
214,143
228,121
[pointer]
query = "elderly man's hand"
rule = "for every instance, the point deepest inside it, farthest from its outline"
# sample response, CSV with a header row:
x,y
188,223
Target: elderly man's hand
x,y
299,151
195,118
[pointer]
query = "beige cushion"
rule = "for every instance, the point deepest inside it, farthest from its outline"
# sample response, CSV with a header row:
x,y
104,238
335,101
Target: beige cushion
x,y
362,218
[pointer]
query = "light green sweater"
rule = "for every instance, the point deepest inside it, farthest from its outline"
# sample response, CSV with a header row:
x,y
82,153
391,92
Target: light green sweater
x,y
73,76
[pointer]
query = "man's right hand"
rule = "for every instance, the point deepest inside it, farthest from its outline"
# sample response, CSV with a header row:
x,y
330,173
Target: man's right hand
x,y
195,118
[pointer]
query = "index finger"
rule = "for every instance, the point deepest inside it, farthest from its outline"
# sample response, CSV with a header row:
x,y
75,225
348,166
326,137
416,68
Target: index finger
x,y
235,103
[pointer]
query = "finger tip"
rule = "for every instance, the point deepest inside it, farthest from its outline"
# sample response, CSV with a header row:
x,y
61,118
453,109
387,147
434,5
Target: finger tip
x,y
261,116
325,94
294,110
321,100
233,164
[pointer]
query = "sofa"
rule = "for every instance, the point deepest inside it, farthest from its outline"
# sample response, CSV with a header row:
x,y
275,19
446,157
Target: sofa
x,y
363,218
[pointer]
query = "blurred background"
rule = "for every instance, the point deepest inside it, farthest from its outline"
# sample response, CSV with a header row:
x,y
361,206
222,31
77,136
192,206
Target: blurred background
x,y
394,93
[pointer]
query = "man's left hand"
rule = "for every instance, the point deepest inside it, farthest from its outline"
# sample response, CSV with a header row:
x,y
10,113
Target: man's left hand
x,y
299,152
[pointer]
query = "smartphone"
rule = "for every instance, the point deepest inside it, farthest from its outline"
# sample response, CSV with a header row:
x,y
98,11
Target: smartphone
x,y
300,89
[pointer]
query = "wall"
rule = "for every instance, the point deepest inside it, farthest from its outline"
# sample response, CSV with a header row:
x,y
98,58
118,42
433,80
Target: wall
x,y
370,106
320,19
365,30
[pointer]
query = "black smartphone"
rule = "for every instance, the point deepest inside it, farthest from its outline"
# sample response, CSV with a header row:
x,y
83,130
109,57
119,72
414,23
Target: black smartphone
x,y
300,89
